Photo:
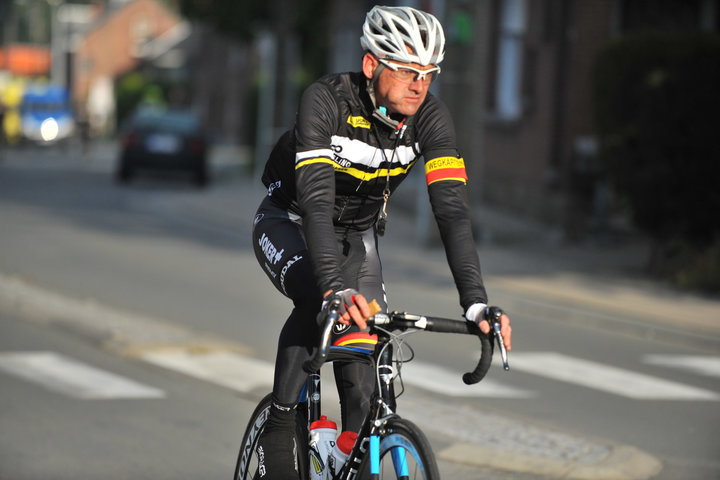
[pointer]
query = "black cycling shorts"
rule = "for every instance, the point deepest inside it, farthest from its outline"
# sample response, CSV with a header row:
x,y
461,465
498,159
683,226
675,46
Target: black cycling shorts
x,y
281,250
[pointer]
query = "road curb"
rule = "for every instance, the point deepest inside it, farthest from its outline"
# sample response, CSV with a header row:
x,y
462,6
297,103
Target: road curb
x,y
622,462
489,440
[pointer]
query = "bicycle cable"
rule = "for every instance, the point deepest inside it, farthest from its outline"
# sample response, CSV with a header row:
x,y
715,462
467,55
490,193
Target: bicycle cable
x,y
401,346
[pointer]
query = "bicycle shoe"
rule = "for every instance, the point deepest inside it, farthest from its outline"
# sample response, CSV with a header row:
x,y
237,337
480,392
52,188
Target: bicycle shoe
x,y
276,448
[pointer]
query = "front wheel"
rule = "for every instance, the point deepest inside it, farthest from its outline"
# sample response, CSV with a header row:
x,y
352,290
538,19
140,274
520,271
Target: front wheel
x,y
247,462
405,454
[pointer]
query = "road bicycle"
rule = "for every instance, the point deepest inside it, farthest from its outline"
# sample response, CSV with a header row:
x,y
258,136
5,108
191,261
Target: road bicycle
x,y
387,445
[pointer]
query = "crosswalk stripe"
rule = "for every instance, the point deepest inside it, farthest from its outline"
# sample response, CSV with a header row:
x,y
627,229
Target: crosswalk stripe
x,y
704,365
449,382
241,373
606,378
70,377
227,369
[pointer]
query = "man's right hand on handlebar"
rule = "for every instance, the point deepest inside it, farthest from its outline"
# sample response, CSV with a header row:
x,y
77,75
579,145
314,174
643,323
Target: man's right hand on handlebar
x,y
353,306
476,313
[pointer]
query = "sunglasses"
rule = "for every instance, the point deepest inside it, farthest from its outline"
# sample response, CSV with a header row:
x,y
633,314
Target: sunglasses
x,y
407,74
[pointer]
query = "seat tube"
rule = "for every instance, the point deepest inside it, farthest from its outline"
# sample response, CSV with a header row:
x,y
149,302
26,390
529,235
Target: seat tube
x,y
313,394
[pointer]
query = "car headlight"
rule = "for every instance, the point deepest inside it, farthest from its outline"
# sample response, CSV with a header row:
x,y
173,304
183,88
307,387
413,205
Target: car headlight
x,y
49,129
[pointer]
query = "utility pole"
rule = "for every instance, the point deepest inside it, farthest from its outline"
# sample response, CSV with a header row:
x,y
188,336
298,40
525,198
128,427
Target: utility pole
x,y
462,87
465,85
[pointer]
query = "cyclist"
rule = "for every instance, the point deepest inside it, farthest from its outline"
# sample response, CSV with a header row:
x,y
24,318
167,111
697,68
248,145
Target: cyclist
x,y
356,137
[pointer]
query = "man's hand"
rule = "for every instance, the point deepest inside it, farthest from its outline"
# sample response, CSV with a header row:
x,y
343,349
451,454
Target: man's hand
x,y
353,307
476,314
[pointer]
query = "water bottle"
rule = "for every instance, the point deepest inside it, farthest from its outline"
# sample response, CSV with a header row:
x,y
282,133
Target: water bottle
x,y
322,441
339,454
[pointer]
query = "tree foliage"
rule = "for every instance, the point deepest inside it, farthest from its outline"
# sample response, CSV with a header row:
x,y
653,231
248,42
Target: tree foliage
x,y
307,20
656,105
237,18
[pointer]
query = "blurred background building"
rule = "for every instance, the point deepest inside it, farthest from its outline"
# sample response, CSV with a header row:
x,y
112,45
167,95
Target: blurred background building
x,y
518,77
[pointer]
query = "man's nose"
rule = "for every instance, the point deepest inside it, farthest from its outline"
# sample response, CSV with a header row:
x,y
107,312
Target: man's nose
x,y
417,85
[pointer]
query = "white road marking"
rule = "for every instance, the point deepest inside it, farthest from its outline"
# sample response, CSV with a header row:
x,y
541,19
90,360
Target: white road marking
x,y
704,365
243,374
227,369
72,378
606,378
449,382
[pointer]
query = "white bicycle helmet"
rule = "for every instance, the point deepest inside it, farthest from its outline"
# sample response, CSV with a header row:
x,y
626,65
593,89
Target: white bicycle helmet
x,y
388,30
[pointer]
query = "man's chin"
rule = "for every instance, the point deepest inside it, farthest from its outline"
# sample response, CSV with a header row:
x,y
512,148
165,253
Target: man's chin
x,y
408,109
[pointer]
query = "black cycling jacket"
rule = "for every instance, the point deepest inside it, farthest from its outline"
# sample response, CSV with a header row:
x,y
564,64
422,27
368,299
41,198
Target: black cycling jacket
x,y
333,167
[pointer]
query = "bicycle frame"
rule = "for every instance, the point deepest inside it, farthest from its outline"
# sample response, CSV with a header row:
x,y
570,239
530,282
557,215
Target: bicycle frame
x,y
383,402
382,407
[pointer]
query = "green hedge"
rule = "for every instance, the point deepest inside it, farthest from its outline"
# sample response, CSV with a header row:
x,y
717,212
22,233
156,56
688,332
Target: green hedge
x,y
657,104
135,88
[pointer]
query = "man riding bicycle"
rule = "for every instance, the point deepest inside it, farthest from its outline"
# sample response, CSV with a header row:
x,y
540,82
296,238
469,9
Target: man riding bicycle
x,y
356,137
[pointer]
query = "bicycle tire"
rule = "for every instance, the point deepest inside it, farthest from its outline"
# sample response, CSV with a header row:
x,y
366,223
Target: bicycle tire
x,y
246,467
404,435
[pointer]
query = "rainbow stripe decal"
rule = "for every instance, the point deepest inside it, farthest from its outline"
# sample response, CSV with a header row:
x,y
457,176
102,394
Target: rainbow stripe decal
x,y
359,340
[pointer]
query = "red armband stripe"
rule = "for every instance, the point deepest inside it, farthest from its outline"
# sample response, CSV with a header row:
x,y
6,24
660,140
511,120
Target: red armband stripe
x,y
445,168
457,174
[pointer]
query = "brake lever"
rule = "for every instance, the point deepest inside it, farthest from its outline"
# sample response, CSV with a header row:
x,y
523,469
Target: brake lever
x,y
493,314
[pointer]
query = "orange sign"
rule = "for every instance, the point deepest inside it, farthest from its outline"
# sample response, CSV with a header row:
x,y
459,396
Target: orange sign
x,y
25,60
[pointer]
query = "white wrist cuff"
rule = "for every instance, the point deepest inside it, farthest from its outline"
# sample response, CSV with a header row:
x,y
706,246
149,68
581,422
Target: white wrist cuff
x,y
475,311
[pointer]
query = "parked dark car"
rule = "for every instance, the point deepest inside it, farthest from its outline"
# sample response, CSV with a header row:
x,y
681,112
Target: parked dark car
x,y
171,140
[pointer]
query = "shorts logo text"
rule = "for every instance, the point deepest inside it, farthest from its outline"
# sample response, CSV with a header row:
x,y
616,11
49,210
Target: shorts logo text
x,y
285,269
270,251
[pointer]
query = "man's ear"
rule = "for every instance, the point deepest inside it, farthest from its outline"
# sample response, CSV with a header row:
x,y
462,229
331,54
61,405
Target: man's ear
x,y
369,64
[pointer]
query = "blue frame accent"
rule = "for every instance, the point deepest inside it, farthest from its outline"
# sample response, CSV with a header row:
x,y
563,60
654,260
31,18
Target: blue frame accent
x,y
400,462
303,393
368,350
374,455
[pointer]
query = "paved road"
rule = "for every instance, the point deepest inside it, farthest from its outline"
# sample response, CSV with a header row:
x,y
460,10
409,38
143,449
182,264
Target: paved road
x,y
159,273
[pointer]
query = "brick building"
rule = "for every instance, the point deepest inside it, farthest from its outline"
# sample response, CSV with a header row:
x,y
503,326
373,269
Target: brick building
x,y
119,39
518,81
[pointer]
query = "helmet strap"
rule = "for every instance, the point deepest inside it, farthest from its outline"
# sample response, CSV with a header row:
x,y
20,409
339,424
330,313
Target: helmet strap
x,y
371,83
377,114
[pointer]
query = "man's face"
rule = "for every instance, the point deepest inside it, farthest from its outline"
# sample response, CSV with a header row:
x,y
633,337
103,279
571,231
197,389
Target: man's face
x,y
400,91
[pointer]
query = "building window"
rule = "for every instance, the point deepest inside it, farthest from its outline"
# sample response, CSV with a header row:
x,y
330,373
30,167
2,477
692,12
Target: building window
x,y
510,53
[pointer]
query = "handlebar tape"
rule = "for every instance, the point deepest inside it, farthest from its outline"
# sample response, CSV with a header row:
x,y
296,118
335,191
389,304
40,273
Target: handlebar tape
x,y
471,378
487,346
